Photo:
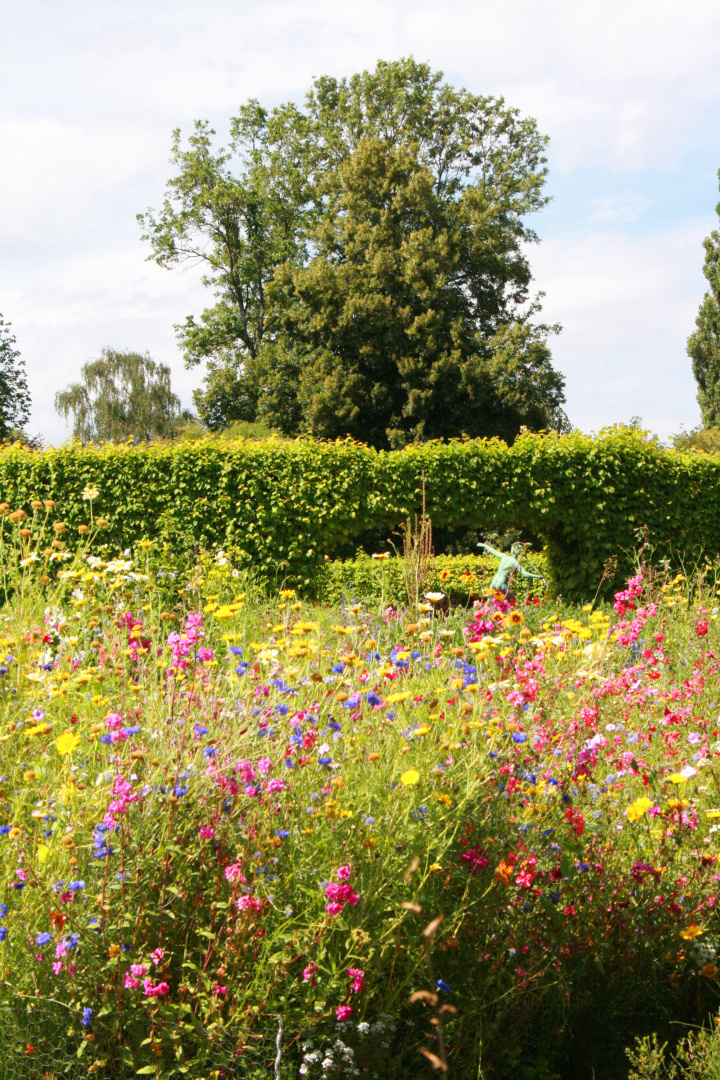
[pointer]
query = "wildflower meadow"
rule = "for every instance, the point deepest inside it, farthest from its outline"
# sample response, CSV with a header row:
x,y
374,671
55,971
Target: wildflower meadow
x,y
245,834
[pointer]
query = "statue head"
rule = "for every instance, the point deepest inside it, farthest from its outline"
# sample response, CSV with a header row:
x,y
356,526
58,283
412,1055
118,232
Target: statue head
x,y
517,550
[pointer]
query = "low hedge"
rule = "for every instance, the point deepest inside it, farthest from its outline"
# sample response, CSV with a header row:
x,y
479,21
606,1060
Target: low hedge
x,y
287,505
462,578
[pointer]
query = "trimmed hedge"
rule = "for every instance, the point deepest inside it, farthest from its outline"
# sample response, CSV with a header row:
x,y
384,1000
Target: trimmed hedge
x,y
286,505
462,578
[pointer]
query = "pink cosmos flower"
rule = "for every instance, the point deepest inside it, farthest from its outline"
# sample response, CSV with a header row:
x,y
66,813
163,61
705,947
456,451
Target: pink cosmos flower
x,y
276,785
343,1012
57,967
130,983
138,970
344,872
157,956
264,765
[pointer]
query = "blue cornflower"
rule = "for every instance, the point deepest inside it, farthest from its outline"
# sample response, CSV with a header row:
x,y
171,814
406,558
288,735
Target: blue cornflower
x,y
180,790
282,833
236,650
242,668
209,751
3,933
289,763
519,737
282,709
76,886
338,668
86,1017
44,938
325,761
200,730
444,987
3,910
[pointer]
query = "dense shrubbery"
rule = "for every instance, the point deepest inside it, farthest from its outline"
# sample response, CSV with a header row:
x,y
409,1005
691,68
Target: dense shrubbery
x,y
462,578
219,810
283,506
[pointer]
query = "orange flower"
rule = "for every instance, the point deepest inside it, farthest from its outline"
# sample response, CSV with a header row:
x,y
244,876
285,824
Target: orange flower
x,y
504,872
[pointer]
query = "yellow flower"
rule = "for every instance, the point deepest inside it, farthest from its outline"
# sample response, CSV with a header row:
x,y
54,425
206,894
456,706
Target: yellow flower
x,y
709,971
410,777
515,618
66,743
341,629
90,493
637,809
403,695
712,813
676,778
434,597
692,931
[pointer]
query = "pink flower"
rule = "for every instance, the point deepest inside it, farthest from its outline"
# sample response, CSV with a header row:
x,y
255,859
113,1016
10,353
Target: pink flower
x,y
22,874
130,983
357,975
335,909
344,872
275,785
264,765
138,970
339,896
160,990
234,873
343,1012
206,832
57,967
249,903
60,950
157,956
220,991
309,973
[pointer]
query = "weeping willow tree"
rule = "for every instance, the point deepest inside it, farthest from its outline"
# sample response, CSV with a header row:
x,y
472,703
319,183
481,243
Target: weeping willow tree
x,y
121,394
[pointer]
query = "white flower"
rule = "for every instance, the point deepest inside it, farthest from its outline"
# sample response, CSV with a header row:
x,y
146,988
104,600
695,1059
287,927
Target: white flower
x,y
90,493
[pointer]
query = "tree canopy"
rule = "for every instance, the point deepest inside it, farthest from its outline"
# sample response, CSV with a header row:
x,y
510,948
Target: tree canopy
x,y
704,344
368,255
121,394
14,393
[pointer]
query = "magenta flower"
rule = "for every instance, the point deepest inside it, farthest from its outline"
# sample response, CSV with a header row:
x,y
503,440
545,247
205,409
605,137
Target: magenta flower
x,y
157,956
220,991
57,967
138,970
206,832
344,872
234,873
343,1012
358,976
130,983
275,785
309,973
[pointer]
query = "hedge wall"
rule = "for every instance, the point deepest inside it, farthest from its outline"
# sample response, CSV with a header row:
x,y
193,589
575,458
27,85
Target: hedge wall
x,y
288,504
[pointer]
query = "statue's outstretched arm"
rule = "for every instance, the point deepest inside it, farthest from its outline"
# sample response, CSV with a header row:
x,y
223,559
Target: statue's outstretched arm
x,y
526,573
492,550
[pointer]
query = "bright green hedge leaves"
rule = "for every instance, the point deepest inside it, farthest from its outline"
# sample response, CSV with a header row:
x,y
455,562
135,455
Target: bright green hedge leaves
x,y
286,505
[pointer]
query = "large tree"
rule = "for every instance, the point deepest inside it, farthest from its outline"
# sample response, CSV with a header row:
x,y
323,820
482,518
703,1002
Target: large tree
x,y
368,255
121,394
14,393
704,344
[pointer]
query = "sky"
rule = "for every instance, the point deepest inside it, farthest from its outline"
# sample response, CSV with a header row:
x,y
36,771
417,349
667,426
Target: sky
x,y
627,90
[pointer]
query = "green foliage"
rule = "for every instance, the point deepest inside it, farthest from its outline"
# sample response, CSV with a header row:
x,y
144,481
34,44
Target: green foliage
x,y
706,440
284,506
368,255
463,578
697,1057
14,393
121,395
704,344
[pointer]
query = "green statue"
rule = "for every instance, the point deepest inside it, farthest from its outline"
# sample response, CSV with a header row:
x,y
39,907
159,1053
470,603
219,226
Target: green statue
x,y
509,565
